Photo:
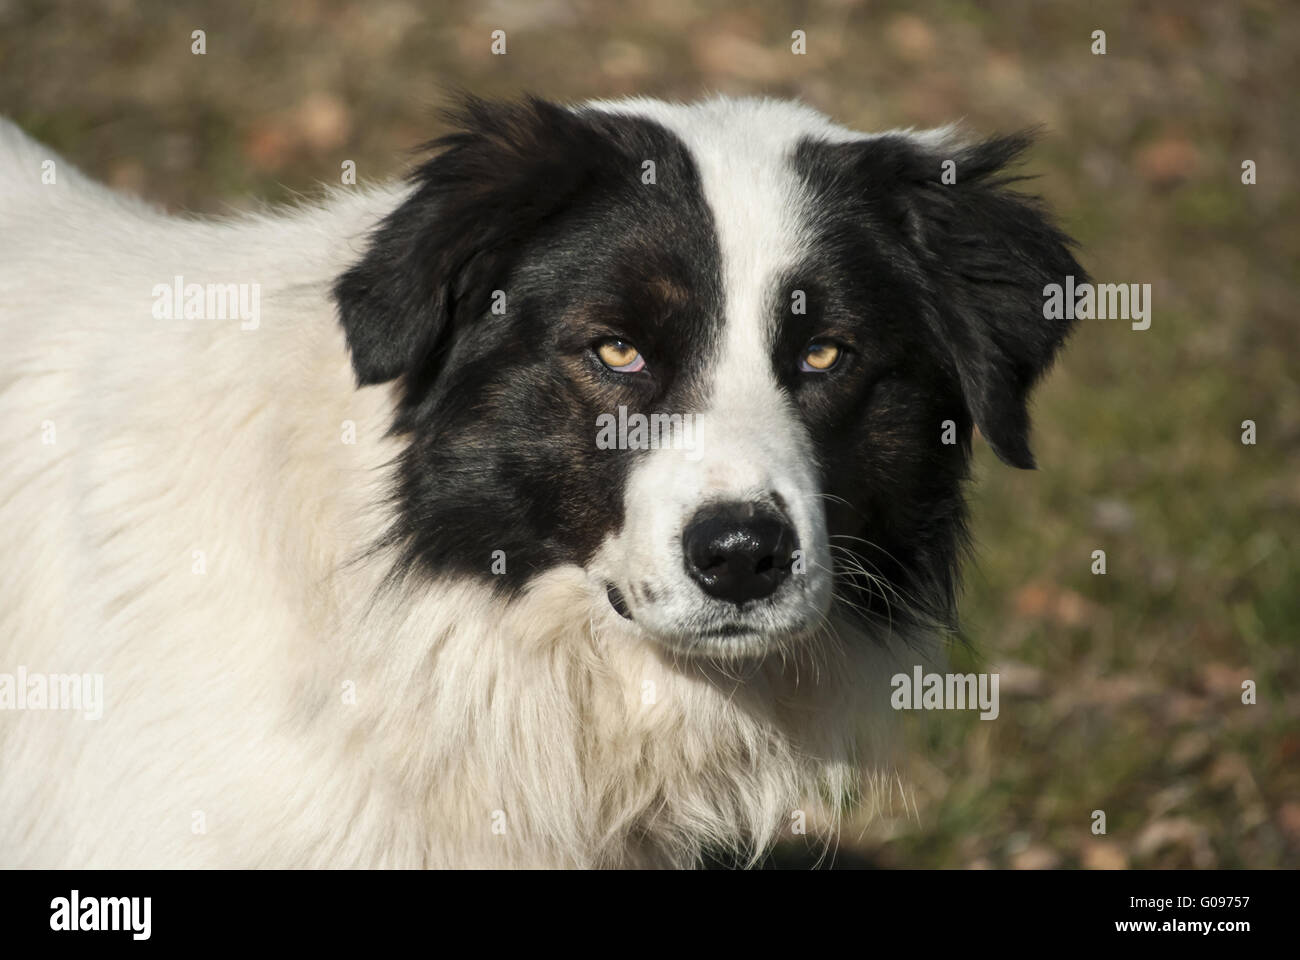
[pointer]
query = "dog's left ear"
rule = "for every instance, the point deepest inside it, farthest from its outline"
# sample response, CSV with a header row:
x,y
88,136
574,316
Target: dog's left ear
x,y
431,265
988,252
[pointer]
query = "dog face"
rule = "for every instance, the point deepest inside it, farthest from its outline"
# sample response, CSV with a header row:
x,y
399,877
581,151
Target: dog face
x,y
726,358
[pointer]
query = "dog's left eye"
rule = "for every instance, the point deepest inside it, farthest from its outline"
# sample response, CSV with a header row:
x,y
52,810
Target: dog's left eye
x,y
819,356
620,356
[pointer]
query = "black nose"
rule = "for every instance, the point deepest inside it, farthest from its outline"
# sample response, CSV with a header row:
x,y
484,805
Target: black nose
x,y
738,551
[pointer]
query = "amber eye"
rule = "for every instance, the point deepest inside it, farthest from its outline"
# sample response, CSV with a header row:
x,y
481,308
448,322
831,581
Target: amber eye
x,y
819,356
620,356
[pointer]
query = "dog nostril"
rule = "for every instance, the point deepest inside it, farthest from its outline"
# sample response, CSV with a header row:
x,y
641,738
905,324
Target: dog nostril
x,y
738,551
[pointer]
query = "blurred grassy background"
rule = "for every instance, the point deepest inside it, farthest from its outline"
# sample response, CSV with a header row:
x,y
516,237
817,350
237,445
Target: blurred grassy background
x,y
1120,692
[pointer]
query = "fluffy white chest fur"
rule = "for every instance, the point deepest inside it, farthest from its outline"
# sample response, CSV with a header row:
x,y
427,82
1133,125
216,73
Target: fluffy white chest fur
x,y
187,506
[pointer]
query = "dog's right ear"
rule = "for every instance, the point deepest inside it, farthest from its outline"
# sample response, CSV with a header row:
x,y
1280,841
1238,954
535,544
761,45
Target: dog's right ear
x,y
434,261
988,253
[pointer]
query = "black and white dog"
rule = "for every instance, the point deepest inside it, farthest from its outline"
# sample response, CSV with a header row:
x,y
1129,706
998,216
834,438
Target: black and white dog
x,y
569,505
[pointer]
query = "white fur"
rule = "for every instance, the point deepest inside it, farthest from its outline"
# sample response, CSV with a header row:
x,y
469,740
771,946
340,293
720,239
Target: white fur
x,y
550,717
749,442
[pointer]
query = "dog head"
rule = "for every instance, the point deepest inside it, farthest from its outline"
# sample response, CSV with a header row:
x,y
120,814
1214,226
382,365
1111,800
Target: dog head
x,y
726,357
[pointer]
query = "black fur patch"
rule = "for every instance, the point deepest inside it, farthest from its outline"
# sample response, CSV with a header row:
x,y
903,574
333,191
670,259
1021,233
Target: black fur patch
x,y
939,290
549,207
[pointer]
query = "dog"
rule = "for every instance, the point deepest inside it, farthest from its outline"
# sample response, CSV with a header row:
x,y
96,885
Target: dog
x,y
568,504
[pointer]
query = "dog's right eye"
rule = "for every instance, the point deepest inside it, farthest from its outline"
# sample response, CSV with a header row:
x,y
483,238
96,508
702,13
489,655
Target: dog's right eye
x,y
820,356
620,356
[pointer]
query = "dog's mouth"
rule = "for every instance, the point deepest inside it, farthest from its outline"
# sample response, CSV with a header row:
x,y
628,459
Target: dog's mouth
x,y
708,637
617,602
